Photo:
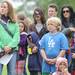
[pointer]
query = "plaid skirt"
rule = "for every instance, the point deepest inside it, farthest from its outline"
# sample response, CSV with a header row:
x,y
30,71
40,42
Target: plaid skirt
x,y
20,67
73,72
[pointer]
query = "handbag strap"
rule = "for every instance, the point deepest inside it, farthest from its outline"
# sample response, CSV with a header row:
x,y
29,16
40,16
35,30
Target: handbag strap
x,y
5,27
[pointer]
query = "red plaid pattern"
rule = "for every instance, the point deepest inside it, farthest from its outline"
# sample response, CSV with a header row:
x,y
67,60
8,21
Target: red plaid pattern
x,y
73,72
20,67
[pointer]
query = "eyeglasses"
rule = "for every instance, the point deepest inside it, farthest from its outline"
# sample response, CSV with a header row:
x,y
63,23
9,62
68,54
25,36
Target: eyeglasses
x,y
67,11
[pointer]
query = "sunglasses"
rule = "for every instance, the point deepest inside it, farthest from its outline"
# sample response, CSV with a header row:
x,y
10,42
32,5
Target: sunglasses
x,y
67,11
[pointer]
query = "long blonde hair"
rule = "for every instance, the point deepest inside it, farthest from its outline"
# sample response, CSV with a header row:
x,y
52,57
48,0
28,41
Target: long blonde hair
x,y
11,13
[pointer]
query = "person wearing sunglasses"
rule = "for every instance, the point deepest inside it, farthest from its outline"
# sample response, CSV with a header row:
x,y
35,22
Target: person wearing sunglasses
x,y
67,16
68,28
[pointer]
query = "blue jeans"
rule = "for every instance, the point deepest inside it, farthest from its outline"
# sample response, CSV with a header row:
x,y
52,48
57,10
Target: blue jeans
x,y
11,66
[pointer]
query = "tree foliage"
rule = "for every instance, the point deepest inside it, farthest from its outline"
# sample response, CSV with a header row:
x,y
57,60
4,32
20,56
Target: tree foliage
x,y
44,4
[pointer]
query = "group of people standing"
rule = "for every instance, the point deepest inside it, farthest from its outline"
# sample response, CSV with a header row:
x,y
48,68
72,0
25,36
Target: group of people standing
x,y
47,46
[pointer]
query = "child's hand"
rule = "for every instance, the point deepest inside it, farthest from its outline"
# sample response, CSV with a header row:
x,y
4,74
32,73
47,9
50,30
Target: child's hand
x,y
65,71
50,61
73,55
7,49
72,29
54,60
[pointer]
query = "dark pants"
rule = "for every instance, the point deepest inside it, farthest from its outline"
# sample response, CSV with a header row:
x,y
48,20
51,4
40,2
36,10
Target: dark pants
x,y
33,73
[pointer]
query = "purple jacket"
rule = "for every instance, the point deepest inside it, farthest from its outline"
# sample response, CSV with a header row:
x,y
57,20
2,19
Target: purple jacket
x,y
23,45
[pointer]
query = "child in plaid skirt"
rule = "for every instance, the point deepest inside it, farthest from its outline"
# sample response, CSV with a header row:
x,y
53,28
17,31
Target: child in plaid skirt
x,y
22,50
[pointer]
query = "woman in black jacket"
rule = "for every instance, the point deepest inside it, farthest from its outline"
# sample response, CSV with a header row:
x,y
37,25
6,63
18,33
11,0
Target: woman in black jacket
x,y
68,26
